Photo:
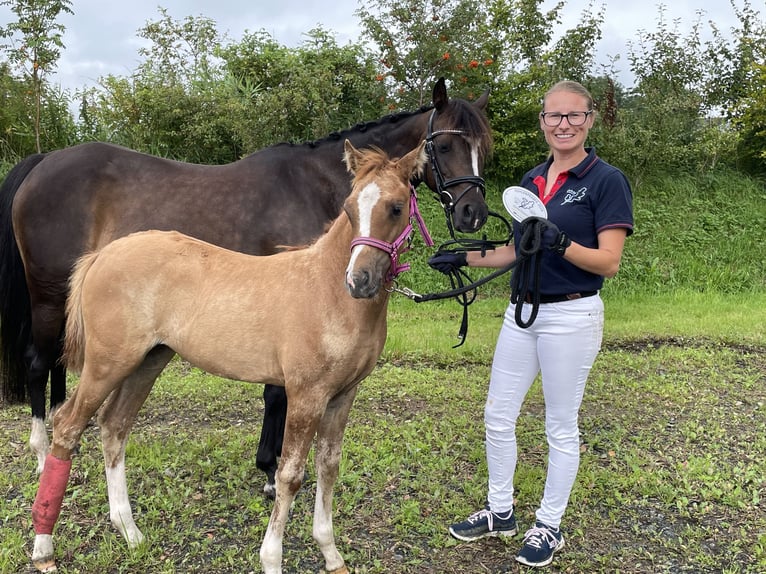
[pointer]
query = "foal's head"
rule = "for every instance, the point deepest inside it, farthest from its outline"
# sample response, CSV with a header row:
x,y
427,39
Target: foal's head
x,y
379,211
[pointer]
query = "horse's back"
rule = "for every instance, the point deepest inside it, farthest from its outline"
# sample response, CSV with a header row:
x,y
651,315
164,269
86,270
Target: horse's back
x,y
80,198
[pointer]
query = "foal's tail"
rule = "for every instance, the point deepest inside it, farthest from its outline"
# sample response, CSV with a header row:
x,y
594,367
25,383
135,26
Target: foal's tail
x,y
15,308
74,337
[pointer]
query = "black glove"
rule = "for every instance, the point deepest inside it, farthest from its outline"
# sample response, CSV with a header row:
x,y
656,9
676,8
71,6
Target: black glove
x,y
553,238
447,261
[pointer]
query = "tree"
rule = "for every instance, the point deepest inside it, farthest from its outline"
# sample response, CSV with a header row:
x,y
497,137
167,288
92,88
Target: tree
x,y
38,50
736,88
420,41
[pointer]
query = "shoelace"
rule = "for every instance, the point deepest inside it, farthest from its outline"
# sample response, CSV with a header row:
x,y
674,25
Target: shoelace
x,y
478,515
535,537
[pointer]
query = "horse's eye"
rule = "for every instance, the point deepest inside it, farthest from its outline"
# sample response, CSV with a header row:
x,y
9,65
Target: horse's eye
x,y
396,210
444,148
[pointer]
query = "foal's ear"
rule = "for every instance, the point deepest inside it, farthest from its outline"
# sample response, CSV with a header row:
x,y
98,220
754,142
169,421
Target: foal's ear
x,y
413,163
351,156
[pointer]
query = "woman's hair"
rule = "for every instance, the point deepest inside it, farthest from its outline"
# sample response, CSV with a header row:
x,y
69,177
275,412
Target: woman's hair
x,y
571,87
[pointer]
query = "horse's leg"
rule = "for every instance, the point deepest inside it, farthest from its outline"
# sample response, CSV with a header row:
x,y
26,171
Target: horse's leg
x,y
69,422
58,383
115,421
37,381
42,357
272,434
328,450
303,415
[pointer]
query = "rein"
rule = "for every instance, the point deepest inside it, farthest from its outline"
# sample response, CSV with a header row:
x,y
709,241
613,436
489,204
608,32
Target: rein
x,y
401,244
528,262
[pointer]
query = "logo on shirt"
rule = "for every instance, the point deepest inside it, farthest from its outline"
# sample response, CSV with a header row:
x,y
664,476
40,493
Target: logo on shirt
x,y
574,195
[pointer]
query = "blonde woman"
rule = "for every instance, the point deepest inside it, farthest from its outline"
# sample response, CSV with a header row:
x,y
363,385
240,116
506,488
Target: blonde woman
x,y
589,205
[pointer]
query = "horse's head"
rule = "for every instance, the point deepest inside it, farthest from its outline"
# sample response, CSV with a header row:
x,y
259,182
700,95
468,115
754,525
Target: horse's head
x,y
458,141
379,208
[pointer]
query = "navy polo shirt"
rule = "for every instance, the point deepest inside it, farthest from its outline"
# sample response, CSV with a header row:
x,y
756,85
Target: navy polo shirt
x,y
587,199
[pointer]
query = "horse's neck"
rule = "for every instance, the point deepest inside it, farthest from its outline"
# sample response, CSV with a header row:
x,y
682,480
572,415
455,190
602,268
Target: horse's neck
x,y
395,138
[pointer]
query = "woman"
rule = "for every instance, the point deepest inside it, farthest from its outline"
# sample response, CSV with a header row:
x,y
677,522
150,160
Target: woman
x,y
589,206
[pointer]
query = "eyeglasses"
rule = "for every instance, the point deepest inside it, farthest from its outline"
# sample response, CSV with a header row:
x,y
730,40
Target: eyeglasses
x,y
553,119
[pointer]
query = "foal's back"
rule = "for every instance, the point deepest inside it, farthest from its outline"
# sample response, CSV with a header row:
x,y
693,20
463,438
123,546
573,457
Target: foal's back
x,y
205,302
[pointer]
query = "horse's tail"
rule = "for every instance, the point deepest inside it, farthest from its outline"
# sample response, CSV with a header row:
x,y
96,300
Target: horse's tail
x,y
74,336
15,309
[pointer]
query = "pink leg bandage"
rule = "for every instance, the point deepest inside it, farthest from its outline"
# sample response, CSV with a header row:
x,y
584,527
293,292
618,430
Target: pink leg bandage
x,y
50,494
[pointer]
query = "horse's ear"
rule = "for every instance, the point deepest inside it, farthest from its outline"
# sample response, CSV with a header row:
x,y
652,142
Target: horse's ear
x,y
439,97
351,156
413,163
481,103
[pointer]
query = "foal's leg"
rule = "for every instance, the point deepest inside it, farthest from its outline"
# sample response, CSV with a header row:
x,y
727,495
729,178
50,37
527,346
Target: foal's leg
x,y
115,420
303,415
69,422
328,450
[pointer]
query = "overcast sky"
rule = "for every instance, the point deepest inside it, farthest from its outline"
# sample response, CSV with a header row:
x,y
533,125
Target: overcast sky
x,y
101,37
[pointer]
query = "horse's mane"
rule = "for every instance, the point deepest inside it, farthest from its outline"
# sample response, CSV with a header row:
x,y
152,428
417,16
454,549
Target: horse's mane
x,y
358,128
459,112
372,159
364,126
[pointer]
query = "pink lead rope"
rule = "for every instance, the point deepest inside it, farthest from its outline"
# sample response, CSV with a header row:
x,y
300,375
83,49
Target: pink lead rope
x,y
395,249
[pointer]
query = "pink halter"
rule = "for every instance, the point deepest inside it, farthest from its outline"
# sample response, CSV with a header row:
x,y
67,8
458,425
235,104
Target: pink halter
x,y
395,249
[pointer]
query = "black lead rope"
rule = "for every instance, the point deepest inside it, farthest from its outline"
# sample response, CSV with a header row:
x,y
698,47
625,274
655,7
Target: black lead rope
x,y
528,262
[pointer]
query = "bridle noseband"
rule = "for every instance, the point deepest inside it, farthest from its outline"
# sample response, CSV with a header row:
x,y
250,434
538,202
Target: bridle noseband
x,y
401,244
442,185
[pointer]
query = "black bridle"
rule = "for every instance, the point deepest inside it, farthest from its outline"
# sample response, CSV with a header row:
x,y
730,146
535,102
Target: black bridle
x,y
443,193
464,289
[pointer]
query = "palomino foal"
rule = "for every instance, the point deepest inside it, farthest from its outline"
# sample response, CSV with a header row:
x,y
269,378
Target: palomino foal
x,y
285,319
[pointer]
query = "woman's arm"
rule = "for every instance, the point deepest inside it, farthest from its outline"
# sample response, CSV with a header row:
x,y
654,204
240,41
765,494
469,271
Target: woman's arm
x,y
497,258
605,259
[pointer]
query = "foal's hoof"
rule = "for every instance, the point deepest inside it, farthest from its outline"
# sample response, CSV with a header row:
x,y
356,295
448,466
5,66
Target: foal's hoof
x,y
45,565
341,570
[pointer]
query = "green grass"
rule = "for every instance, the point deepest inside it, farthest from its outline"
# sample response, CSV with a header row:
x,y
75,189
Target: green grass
x,y
671,479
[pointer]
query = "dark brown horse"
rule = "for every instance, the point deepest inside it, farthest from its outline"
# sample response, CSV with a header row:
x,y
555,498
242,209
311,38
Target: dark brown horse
x,y
312,320
55,207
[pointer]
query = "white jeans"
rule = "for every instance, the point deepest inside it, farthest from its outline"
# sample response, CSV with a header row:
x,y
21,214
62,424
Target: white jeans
x,y
561,344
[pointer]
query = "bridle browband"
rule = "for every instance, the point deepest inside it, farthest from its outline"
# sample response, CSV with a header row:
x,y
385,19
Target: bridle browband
x,y
401,244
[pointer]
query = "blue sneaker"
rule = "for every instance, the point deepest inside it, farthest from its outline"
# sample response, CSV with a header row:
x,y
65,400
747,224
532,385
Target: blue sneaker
x,y
540,543
484,523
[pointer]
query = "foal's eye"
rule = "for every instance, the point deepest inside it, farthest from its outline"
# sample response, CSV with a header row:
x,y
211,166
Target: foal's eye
x,y
396,210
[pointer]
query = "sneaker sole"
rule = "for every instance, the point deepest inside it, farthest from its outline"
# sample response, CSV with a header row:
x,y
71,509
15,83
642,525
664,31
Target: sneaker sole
x,y
464,538
522,560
